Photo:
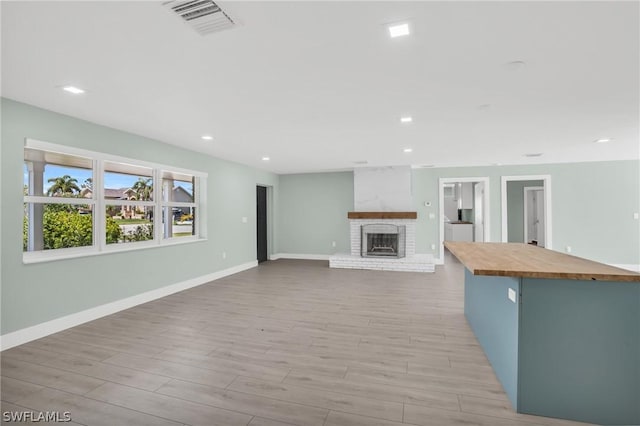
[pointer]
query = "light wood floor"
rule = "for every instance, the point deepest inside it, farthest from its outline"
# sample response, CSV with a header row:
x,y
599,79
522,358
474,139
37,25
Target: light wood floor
x,y
288,342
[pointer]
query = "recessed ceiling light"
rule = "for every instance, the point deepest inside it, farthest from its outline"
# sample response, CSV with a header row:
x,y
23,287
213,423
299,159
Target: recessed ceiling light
x,y
483,107
408,150
207,137
533,154
406,119
398,30
266,158
426,166
496,164
73,89
361,162
603,140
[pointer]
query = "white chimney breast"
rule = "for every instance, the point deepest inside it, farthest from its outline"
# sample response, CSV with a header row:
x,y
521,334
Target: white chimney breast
x,y
382,189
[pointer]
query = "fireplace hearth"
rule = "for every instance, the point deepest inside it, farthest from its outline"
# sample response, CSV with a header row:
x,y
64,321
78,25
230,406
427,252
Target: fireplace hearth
x,y
383,240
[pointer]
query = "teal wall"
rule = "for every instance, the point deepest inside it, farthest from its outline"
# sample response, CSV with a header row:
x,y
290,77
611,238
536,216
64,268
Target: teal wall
x,y
313,211
494,321
36,293
579,350
515,208
592,207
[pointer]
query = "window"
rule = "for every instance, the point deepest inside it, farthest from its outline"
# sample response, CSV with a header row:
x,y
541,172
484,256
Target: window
x,y
79,203
128,199
57,207
178,205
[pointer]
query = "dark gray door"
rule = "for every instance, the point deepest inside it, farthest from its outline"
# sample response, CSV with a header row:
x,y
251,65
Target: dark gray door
x,y
261,203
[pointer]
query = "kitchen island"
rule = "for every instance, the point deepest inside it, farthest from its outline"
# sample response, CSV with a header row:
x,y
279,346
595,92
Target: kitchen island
x,y
561,333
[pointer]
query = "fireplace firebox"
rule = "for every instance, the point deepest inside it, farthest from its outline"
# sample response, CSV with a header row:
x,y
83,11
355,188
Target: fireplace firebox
x,y
382,240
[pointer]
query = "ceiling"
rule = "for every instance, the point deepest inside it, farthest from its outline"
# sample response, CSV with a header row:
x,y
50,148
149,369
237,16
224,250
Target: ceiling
x,y
319,86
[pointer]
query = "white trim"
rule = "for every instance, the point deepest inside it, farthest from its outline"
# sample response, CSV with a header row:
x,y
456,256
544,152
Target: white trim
x,y
99,220
76,252
548,225
38,331
58,200
627,266
487,210
176,204
300,256
64,149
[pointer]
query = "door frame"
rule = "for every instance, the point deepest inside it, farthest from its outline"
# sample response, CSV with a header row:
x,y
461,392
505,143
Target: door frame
x,y
526,190
484,209
548,226
487,209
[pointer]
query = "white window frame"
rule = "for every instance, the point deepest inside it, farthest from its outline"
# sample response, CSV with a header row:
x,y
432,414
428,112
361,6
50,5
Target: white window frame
x,y
99,204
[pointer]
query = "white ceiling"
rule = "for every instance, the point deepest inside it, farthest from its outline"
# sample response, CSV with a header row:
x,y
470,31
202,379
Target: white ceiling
x,y
317,86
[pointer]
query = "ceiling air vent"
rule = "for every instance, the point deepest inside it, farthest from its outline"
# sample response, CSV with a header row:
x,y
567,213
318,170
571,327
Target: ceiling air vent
x,y
204,16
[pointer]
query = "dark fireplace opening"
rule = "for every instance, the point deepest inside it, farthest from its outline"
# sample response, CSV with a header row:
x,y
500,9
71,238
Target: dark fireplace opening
x,y
382,244
383,240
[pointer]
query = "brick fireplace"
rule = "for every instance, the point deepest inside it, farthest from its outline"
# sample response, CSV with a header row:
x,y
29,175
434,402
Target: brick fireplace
x,y
356,260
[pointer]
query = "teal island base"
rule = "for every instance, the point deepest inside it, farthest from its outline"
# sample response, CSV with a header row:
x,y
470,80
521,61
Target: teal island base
x,y
562,348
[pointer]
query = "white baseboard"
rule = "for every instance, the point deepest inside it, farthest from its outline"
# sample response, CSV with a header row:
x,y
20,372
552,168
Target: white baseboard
x,y
627,266
38,331
300,256
277,256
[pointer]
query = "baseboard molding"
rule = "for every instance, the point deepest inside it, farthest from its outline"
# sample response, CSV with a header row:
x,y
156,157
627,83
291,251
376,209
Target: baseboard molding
x,y
277,256
300,256
627,266
38,331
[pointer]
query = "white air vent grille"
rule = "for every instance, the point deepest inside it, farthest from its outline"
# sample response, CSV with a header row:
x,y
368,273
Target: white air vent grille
x,y
204,16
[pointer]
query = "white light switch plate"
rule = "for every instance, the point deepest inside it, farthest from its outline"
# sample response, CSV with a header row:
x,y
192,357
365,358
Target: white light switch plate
x,y
512,295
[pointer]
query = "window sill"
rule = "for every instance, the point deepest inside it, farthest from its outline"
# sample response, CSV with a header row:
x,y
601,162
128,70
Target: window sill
x,y
73,253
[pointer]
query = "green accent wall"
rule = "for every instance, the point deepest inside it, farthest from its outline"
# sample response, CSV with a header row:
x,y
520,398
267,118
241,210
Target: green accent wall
x,y
313,212
592,207
36,293
515,208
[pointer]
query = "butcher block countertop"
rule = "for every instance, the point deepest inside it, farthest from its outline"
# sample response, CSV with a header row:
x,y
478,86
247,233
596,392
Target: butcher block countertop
x,y
529,261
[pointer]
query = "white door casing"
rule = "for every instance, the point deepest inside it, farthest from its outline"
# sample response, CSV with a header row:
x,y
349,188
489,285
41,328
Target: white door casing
x,y
478,211
548,228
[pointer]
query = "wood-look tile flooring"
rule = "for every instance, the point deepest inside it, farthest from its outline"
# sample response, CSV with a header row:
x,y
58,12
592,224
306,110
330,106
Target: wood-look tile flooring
x,y
288,342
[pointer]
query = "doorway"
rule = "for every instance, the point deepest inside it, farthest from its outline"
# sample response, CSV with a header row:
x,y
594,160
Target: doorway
x,y
526,210
261,224
464,203
534,215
